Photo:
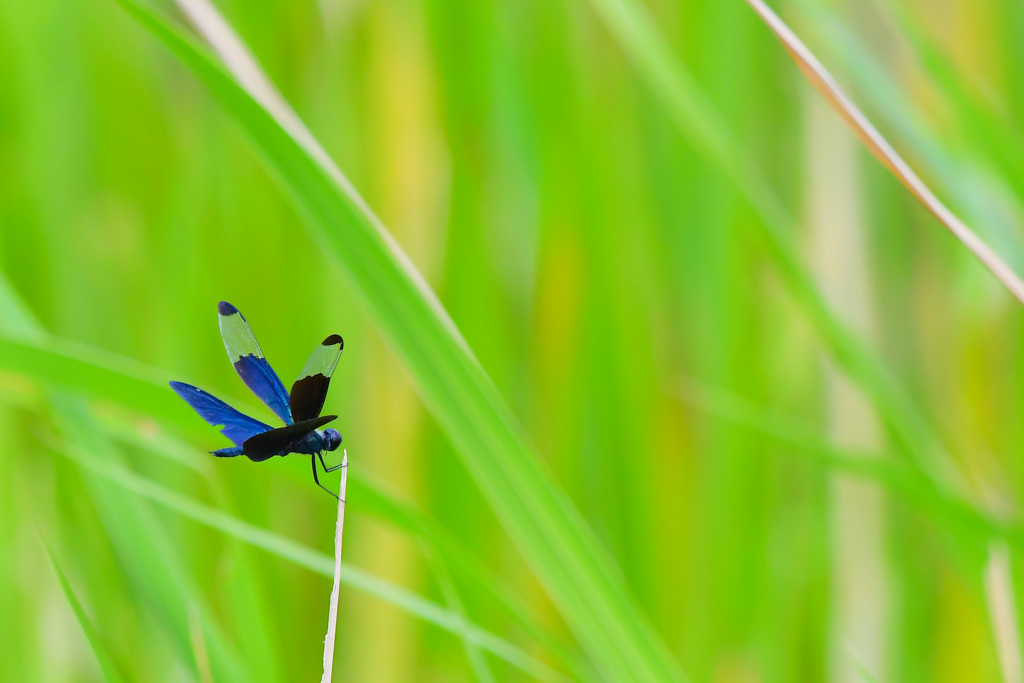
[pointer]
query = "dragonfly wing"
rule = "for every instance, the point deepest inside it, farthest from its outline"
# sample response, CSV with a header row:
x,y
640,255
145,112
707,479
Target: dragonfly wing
x,y
252,367
310,390
235,425
268,444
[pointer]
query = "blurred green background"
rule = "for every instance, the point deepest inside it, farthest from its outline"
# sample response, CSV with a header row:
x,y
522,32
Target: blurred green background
x,y
597,249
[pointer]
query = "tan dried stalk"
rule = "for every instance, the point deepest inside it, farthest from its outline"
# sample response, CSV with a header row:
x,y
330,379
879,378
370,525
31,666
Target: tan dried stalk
x,y
883,151
332,618
998,581
999,595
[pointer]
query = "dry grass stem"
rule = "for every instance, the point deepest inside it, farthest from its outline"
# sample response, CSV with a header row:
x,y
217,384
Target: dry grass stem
x,y
332,619
883,151
1002,612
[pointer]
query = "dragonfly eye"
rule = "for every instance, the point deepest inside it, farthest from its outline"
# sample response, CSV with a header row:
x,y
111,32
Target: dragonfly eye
x,y
332,439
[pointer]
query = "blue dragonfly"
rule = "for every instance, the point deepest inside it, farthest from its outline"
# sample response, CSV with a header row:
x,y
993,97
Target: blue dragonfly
x,y
299,410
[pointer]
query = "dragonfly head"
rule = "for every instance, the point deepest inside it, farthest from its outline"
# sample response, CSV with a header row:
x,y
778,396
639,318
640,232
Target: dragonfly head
x,y
332,439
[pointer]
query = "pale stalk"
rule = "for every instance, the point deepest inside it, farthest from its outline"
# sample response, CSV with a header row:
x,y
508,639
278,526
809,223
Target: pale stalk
x,y
332,619
823,82
999,594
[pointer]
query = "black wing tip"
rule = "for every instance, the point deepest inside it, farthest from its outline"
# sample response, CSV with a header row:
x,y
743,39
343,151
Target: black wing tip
x,y
225,309
317,422
334,339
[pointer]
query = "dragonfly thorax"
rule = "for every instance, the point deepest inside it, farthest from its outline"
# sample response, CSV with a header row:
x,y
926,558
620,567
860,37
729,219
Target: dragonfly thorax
x,y
332,439
315,442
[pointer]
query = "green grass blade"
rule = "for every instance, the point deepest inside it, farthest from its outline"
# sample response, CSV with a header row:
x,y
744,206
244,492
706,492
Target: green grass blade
x,y
94,372
140,387
15,318
477,661
375,500
134,385
576,571
128,433
99,648
310,559
695,115
897,478
145,547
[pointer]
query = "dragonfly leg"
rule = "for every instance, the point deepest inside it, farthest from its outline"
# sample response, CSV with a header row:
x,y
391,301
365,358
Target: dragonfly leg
x,y
312,461
331,469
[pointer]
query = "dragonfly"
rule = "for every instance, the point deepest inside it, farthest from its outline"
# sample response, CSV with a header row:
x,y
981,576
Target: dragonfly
x,y
299,409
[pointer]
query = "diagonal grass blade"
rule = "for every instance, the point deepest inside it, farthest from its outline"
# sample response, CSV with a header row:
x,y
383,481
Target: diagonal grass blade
x,y
823,82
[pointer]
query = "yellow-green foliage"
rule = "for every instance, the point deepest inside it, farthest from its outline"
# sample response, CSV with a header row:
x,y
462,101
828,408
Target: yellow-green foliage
x,y
651,374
